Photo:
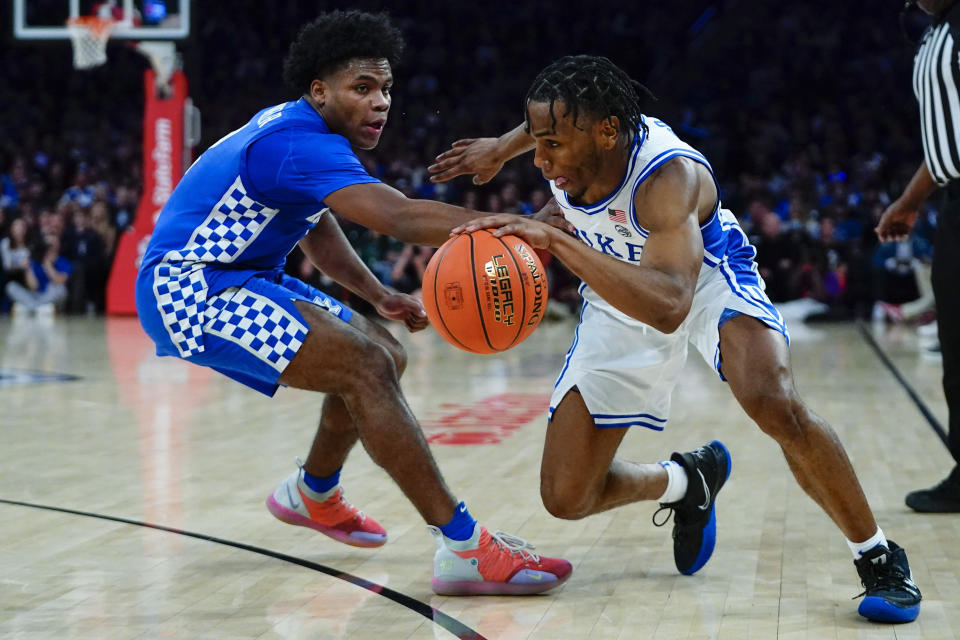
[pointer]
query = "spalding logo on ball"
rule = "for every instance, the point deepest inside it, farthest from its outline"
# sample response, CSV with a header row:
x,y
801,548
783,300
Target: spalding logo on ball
x,y
484,294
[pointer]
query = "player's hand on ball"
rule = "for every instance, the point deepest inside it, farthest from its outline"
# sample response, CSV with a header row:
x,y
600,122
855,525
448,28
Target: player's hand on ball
x,y
404,308
552,214
472,156
537,234
485,293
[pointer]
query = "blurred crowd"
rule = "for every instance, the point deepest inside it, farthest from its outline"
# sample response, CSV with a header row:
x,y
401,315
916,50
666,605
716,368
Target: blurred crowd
x,y
803,109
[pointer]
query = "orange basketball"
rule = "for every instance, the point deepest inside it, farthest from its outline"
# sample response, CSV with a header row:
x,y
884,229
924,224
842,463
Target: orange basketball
x,y
485,294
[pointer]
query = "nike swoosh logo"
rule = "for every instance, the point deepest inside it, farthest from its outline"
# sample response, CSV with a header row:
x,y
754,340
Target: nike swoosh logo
x,y
706,492
295,505
463,509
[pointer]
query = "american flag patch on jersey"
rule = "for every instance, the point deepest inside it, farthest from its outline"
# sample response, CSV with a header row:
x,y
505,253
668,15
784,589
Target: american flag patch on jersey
x,y
617,215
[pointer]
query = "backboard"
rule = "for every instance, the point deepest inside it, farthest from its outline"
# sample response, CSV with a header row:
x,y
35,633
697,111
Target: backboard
x,y
134,19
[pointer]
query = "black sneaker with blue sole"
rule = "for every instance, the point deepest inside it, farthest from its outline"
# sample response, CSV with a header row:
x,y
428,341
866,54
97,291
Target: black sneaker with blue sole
x,y
694,516
889,592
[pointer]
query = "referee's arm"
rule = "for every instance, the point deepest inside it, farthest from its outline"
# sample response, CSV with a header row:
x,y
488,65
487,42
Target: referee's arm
x,y
898,219
936,78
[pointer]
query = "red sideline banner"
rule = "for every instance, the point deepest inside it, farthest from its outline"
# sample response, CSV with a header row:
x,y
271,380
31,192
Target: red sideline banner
x,y
163,166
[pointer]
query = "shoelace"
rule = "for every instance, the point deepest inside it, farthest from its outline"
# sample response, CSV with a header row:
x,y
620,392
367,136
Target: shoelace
x,y
356,512
343,501
663,507
891,579
671,507
515,545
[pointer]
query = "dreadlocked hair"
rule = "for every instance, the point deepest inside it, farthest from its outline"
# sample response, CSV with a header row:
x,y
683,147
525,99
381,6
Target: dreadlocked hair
x,y
590,85
333,39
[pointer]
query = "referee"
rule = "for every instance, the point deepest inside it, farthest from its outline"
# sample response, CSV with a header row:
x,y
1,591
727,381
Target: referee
x,y
936,84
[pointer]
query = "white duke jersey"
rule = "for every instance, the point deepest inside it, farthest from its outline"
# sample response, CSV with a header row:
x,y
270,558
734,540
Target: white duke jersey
x,y
625,370
611,226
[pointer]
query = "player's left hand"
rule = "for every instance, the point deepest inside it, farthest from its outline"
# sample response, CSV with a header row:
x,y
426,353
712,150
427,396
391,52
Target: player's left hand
x,y
404,308
537,234
552,214
472,156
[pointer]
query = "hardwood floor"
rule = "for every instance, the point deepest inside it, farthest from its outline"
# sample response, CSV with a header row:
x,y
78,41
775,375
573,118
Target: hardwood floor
x,y
160,441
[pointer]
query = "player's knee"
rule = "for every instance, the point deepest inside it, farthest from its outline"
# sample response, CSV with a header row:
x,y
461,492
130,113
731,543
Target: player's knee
x,y
779,413
373,367
567,501
393,347
399,355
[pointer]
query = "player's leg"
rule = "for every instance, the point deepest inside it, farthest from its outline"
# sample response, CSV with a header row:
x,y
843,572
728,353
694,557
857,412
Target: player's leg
x,y
341,359
591,411
316,485
265,334
755,360
469,560
579,474
337,434
756,363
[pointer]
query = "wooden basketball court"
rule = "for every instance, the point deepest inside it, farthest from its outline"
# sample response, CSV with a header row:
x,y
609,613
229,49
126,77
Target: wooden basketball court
x,y
95,426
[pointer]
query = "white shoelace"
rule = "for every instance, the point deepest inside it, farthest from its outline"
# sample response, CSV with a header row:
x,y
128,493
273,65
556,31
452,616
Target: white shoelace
x,y
343,500
358,514
513,544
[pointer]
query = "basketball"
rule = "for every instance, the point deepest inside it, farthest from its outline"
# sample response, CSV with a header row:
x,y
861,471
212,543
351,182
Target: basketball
x,y
485,294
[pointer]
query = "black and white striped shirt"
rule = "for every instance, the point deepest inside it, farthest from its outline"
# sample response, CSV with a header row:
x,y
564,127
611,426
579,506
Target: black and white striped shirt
x,y
936,83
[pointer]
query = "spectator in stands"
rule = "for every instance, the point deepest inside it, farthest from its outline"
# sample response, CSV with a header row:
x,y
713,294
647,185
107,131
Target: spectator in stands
x,y
15,255
81,191
765,127
101,222
46,282
88,256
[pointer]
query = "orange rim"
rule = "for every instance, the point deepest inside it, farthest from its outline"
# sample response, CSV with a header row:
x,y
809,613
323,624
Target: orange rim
x,y
98,27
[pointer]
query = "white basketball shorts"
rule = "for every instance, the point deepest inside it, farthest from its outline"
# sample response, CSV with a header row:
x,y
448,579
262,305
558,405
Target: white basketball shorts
x,y
626,371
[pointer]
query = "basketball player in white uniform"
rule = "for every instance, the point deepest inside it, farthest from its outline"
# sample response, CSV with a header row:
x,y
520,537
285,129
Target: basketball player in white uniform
x,y
663,265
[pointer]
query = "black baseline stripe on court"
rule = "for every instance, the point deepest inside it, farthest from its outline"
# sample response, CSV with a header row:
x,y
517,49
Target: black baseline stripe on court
x,y
931,419
438,617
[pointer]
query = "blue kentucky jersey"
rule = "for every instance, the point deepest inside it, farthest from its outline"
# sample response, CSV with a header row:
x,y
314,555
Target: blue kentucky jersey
x,y
238,211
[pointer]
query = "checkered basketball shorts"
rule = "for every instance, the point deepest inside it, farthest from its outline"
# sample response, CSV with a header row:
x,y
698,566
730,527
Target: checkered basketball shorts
x,y
249,333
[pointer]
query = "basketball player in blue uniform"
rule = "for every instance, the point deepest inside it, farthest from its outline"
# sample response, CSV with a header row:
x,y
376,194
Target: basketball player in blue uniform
x,y
211,290
663,265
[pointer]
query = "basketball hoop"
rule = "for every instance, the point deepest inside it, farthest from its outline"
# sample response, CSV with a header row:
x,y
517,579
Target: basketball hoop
x,y
89,35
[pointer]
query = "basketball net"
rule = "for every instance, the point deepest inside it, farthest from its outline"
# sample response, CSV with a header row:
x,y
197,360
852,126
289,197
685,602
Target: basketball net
x,y
89,35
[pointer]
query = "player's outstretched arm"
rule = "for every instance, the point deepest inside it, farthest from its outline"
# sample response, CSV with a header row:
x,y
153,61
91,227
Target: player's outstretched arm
x,y
385,210
480,157
330,251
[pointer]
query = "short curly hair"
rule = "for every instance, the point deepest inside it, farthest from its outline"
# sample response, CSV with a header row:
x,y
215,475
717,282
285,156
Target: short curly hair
x,y
325,45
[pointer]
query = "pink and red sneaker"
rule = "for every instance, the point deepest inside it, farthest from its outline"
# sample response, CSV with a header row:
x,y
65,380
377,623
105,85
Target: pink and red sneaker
x,y
295,503
497,564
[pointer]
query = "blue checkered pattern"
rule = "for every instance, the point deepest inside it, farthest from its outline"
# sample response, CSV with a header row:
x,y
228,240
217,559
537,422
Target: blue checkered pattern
x,y
231,226
178,284
181,292
256,323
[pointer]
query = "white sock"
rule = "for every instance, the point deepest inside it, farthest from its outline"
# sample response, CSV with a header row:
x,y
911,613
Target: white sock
x,y
676,482
859,548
